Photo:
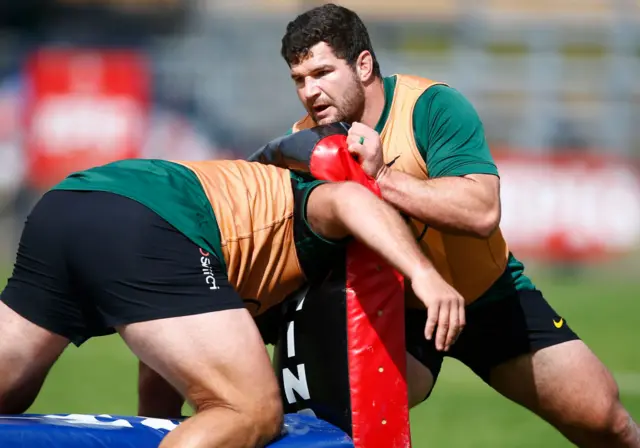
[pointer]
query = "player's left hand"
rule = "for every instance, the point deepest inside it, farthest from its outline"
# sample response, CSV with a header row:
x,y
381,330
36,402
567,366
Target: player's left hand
x,y
364,143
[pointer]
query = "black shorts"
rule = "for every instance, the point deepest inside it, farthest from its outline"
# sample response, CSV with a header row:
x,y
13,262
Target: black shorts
x,y
90,261
495,333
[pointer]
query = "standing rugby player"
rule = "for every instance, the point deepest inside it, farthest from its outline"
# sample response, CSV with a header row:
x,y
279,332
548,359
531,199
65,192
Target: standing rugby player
x,y
425,145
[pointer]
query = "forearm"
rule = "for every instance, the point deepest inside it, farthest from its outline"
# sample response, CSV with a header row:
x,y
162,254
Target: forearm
x,y
456,205
379,226
156,397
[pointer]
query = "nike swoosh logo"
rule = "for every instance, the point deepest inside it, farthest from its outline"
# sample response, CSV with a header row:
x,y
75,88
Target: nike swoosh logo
x,y
559,323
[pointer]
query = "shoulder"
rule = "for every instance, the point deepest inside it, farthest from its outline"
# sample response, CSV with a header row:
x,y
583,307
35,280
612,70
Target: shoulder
x,y
441,101
441,113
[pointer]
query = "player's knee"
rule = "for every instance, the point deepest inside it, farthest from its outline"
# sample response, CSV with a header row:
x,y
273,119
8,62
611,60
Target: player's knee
x,y
609,420
419,390
15,401
264,414
260,417
420,381
18,391
615,423
268,417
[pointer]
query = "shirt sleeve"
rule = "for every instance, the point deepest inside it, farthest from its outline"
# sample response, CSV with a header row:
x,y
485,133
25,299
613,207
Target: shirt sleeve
x,y
450,135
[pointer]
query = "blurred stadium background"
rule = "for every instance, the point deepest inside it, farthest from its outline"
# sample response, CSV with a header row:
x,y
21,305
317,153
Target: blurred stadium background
x,y
555,81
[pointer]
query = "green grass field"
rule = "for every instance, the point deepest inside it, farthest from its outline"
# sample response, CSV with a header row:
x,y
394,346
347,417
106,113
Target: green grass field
x,y
462,412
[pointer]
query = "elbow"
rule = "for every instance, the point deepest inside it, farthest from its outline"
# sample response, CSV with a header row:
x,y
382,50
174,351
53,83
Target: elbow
x,y
487,223
347,194
340,203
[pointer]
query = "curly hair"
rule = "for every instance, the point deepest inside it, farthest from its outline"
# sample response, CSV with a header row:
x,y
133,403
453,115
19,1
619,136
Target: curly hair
x,y
338,27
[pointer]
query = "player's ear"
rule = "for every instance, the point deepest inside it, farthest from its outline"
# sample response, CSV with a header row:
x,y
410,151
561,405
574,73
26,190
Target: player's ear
x,y
364,66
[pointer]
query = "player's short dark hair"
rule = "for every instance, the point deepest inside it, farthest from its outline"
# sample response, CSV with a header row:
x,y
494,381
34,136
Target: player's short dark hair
x,y
338,27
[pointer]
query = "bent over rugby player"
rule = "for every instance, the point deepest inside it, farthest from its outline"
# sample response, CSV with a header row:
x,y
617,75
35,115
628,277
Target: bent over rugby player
x,y
176,258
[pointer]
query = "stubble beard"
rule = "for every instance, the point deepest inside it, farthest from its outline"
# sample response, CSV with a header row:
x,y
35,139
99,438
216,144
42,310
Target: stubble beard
x,y
350,109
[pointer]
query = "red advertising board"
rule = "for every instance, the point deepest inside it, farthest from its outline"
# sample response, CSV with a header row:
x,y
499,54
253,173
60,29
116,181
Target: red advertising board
x,y
83,108
571,206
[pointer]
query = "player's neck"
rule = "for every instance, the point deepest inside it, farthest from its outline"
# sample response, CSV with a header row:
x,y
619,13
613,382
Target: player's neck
x,y
374,103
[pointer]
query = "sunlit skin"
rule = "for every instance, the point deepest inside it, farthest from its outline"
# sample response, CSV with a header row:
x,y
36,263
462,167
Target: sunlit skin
x,y
331,90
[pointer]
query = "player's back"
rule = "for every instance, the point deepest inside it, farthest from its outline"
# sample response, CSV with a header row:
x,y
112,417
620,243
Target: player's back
x,y
240,211
254,208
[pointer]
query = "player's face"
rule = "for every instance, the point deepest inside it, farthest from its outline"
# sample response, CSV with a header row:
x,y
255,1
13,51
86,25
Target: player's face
x,y
328,87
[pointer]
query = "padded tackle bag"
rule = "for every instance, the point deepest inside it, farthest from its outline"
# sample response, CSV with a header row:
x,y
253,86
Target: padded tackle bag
x,y
106,431
341,351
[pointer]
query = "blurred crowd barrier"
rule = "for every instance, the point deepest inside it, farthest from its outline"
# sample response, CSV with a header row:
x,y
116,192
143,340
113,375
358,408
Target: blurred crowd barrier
x,y
84,82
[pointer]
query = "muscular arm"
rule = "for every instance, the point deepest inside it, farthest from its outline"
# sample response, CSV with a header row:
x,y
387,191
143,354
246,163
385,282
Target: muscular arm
x,y
463,193
461,205
335,211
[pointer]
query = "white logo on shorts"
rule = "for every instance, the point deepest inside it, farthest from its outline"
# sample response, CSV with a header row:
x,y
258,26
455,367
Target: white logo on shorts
x,y
205,261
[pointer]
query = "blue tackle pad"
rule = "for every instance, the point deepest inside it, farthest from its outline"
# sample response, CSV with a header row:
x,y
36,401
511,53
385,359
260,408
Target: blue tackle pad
x,y
106,431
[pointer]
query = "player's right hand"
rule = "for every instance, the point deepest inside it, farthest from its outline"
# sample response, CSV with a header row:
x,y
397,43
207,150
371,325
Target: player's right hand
x,y
445,307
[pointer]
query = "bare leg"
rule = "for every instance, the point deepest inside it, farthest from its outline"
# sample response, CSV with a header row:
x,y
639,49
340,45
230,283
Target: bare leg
x,y
419,381
219,363
27,352
571,389
157,398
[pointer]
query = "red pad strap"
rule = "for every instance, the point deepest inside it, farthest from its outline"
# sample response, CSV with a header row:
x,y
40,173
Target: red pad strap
x,y
375,322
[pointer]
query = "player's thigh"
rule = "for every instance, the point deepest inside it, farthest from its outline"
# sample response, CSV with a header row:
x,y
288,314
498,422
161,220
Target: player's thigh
x,y
423,359
559,378
174,305
27,352
503,330
565,383
528,353
215,358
